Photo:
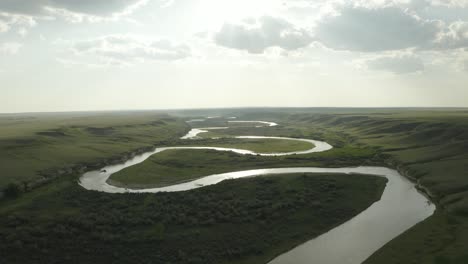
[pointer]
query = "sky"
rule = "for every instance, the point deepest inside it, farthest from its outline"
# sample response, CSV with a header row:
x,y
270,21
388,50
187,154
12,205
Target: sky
x,y
70,55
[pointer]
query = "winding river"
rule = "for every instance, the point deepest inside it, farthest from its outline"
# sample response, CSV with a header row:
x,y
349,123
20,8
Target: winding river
x,y
400,207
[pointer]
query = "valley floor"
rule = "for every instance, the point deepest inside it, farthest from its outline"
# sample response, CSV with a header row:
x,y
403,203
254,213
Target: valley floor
x,y
43,207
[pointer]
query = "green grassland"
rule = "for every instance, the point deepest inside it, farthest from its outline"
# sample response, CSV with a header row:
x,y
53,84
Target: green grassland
x,y
37,147
237,221
429,146
176,166
258,145
272,213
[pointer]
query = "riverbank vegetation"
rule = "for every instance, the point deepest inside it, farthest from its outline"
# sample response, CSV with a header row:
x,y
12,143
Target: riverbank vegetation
x,y
246,221
429,146
257,145
37,148
179,165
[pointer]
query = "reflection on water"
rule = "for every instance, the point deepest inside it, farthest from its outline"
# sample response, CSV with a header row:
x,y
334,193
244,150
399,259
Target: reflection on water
x,y
400,207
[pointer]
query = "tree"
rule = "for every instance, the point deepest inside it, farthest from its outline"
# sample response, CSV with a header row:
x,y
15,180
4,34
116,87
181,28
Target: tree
x,y
12,190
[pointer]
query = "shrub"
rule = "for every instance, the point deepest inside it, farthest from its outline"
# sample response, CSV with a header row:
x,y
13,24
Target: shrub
x,y
12,190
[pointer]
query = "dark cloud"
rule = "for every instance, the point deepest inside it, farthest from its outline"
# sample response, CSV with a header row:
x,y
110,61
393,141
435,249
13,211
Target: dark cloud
x,y
375,29
23,6
91,7
255,35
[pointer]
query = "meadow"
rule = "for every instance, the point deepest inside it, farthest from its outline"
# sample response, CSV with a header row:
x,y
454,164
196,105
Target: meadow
x,y
244,221
257,145
273,213
178,165
37,148
429,146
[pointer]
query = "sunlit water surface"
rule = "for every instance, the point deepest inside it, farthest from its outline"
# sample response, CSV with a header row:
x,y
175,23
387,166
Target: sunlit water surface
x,y
400,207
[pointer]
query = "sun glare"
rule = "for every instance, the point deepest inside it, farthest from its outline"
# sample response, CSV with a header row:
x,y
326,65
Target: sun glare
x,y
214,12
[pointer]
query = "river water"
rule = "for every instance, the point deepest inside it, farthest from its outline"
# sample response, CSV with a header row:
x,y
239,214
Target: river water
x,y
400,207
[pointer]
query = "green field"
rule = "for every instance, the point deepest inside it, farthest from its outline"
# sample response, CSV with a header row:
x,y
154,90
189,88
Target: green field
x,y
258,145
35,148
261,217
429,146
176,166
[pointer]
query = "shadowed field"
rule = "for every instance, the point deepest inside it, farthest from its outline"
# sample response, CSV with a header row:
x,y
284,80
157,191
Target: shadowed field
x,y
429,146
237,221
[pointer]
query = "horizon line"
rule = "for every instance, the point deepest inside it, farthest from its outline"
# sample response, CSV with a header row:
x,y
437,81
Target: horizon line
x,y
242,107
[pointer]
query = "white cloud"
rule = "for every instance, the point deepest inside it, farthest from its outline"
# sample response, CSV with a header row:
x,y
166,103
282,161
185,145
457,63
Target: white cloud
x,y
166,3
396,63
455,36
256,35
128,49
7,21
358,28
450,3
22,32
10,48
4,27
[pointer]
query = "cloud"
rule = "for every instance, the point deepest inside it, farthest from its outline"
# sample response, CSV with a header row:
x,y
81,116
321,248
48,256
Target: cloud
x,y
397,63
455,36
7,21
22,32
358,28
92,7
450,3
4,27
166,3
10,48
256,35
98,7
71,10
127,49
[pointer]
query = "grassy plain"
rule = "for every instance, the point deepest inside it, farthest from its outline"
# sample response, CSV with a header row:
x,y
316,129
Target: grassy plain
x,y
35,147
237,221
176,166
257,145
429,146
